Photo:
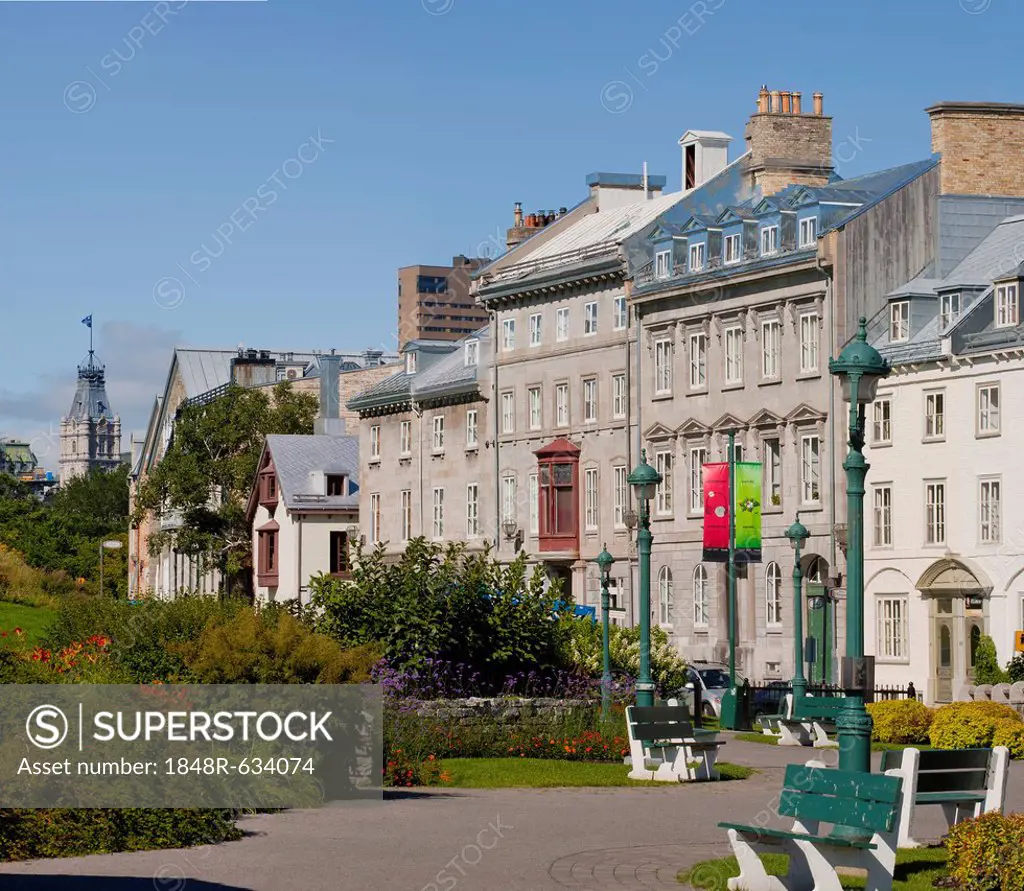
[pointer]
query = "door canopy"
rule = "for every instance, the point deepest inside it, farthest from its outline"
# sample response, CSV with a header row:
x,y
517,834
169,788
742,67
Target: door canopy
x,y
953,578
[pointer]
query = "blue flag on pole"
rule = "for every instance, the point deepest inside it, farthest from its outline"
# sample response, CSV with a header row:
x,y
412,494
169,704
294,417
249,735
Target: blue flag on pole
x,y
87,321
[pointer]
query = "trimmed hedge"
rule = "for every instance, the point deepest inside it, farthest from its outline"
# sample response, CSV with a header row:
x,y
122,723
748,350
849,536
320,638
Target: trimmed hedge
x,y
74,832
900,721
987,853
1010,733
969,725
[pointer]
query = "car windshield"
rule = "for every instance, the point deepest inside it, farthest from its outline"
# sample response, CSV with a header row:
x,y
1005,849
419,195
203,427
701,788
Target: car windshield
x,y
714,678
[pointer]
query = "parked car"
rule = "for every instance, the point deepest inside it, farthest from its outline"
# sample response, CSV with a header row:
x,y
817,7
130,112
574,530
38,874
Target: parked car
x,y
712,679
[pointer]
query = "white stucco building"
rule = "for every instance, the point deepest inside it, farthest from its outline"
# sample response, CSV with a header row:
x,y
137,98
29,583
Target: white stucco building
x,y
944,525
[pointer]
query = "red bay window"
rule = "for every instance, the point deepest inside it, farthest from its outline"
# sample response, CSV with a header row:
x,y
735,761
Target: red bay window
x,y
558,509
267,557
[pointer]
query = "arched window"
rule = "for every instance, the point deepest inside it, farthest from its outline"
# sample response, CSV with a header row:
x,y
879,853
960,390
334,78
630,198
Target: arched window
x,y
700,597
817,570
773,594
665,596
975,641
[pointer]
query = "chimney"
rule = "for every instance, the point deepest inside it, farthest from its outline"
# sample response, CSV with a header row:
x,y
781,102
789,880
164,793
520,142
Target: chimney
x,y
705,154
817,100
762,100
329,420
517,215
981,144
786,146
612,190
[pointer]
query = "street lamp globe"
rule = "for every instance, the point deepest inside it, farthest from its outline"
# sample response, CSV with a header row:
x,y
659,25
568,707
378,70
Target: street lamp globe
x,y
644,479
797,534
859,367
604,562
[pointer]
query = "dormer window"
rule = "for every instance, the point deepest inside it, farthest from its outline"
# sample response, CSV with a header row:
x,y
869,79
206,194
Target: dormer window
x,y
696,257
949,310
731,250
663,264
336,487
1007,312
410,363
769,240
899,321
472,352
808,231
268,488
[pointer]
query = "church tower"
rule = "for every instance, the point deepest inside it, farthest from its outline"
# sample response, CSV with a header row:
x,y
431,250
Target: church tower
x,y
90,434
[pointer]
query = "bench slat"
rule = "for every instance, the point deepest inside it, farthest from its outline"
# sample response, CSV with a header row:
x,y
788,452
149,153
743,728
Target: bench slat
x,y
843,783
663,730
947,797
656,713
760,831
954,759
872,816
952,781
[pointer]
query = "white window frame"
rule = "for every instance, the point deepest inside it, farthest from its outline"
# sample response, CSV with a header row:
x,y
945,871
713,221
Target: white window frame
x,y
733,339
663,362
375,517
731,252
536,408
562,324
698,352
472,510
951,307
701,601
590,318
771,462
533,491
663,462
620,320
773,595
472,353
892,632
665,596
472,428
508,497
375,442
769,240
899,321
881,421
771,349
437,427
935,512
934,415
591,500
1007,306
697,256
508,412
618,395
882,507
410,362
437,527
810,459
697,457
990,493
405,439
406,514
810,334
590,400
508,335
988,421
663,264
562,405
535,329
808,231
621,495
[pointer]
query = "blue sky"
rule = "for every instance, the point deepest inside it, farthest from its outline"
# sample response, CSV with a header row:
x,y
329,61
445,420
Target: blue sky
x,y
329,142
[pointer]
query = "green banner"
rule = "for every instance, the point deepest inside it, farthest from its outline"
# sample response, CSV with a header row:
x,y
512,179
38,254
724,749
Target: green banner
x,y
747,501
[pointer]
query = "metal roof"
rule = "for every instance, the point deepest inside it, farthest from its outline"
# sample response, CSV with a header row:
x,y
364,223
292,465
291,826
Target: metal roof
x,y
451,372
90,401
997,255
297,456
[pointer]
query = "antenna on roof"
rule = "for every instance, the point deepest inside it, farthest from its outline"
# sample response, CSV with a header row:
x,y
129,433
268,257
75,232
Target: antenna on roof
x,y
645,180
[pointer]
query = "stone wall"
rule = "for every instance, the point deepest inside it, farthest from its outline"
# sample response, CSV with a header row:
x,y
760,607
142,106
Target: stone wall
x,y
499,710
981,145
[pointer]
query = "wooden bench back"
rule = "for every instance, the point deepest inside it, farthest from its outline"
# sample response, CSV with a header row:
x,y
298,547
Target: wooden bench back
x,y
660,722
947,770
844,798
818,706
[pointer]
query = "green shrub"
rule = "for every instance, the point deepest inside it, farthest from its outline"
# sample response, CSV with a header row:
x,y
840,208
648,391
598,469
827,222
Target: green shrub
x,y
74,832
1010,733
272,647
900,721
968,725
1015,669
987,853
986,663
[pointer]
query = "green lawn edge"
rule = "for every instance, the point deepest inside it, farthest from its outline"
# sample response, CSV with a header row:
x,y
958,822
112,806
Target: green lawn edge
x,y
33,620
544,773
766,740
916,870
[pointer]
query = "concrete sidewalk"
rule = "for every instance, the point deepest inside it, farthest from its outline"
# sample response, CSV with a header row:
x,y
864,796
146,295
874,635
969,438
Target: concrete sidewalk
x,y
483,840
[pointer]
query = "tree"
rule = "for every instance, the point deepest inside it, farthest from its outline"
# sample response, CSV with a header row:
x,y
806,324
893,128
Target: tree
x,y
208,471
986,663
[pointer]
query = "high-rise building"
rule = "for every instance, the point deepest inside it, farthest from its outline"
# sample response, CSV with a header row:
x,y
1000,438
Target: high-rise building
x,y
434,301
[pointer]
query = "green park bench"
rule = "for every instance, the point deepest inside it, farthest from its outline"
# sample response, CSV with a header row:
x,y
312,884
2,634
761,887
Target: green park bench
x,y
663,745
808,720
864,811
966,782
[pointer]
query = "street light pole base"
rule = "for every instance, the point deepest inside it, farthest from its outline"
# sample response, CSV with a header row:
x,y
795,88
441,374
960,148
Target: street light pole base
x,y
730,709
645,693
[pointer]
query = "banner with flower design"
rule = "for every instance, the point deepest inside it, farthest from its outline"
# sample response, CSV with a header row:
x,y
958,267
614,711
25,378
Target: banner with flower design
x,y
747,499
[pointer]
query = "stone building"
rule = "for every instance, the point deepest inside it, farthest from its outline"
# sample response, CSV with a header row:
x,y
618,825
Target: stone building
x,y
90,433
200,375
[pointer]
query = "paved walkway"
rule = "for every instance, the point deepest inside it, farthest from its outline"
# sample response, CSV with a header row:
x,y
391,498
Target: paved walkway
x,y
483,840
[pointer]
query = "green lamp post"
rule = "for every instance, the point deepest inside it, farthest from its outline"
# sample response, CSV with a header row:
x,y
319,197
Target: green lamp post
x,y
859,368
645,481
604,562
797,535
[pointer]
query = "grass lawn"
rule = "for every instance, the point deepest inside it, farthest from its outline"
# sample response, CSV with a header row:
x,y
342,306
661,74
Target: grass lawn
x,y
916,870
766,740
540,773
33,620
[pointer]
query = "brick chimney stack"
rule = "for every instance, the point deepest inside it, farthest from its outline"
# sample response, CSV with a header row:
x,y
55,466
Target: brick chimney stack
x,y
787,146
981,144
